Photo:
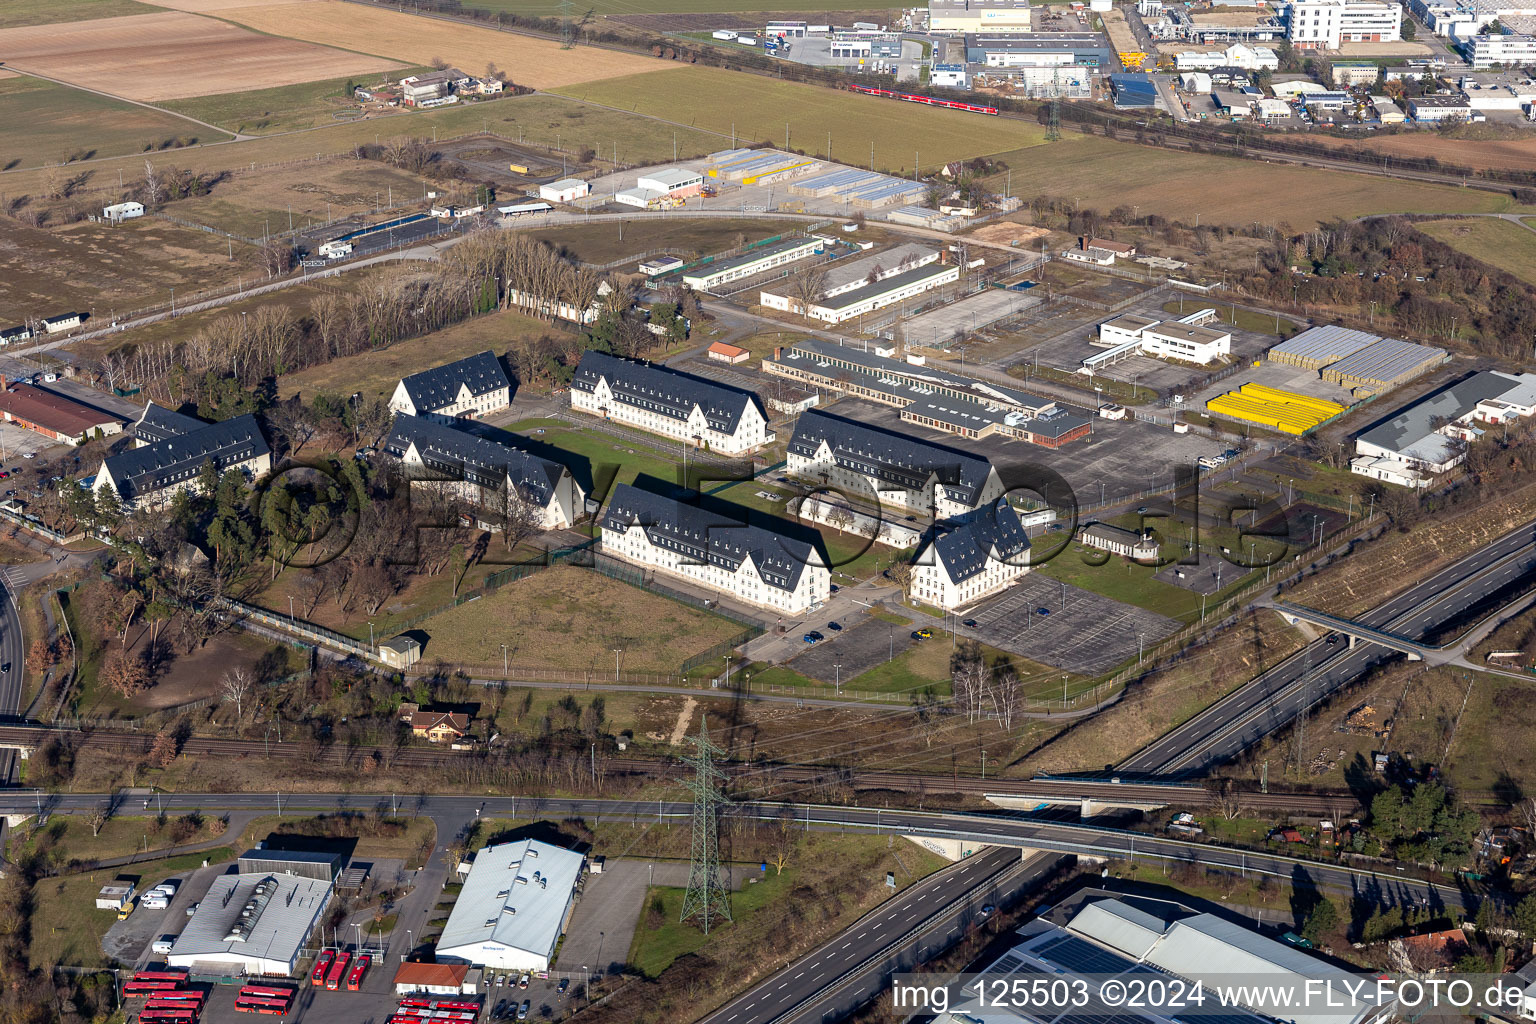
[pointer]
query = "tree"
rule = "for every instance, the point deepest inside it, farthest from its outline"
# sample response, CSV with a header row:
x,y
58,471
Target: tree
x,y
125,673
458,566
839,517
98,819
163,751
39,656
153,190
901,573
970,678
235,686
806,287
1006,693
1525,917
1321,920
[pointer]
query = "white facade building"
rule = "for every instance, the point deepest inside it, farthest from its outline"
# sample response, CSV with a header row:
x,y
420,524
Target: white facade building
x,y
513,908
1428,438
955,17
1501,48
1325,24
123,211
152,475
253,923
465,389
672,181
706,276
566,190
676,405
1185,339
982,556
746,562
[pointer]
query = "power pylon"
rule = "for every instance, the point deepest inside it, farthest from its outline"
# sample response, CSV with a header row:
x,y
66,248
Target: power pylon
x,y
567,34
708,897
1053,126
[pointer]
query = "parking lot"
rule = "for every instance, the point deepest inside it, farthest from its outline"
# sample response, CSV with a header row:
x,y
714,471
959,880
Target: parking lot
x,y
1082,632
852,652
972,313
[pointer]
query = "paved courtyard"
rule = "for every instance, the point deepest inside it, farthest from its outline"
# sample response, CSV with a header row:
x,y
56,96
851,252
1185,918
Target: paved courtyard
x,y
856,649
1084,632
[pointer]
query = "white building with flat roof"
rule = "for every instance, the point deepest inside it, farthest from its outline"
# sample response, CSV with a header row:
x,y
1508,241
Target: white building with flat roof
x,y
672,181
566,190
954,17
513,908
1326,24
253,923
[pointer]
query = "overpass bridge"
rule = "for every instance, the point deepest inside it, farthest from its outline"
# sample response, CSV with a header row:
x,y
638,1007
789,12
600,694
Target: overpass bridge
x,y
1358,631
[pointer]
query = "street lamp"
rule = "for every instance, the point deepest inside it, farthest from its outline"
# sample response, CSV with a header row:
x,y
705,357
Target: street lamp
x,y
504,670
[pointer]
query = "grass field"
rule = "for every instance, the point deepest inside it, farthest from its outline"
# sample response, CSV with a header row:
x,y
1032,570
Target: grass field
x,y
17,13
257,203
539,63
119,837
588,452
1103,173
759,108
44,123
285,108
600,242
1243,319
1498,243
574,619
376,373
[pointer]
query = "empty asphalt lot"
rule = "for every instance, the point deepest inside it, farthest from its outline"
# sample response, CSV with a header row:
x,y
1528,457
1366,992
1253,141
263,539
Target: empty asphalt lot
x,y
1083,632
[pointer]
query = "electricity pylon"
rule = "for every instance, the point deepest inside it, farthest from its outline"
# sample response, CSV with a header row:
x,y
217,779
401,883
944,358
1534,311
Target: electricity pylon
x,y
708,897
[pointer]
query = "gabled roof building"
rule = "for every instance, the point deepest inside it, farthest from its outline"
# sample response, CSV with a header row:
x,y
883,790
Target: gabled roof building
x,y
156,423
894,468
750,563
465,389
983,555
53,415
513,908
151,476
481,471
680,406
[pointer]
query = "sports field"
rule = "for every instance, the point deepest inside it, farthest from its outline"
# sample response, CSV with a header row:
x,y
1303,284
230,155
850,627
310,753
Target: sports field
x,y
44,123
16,13
171,54
285,108
538,63
1103,173
1498,243
760,108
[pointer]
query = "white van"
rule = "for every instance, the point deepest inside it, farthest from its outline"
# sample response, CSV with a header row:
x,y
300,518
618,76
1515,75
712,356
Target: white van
x,y
163,944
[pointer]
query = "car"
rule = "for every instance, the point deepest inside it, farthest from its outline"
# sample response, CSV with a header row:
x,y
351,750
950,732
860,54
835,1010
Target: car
x,y
833,588
29,455
522,1011
523,981
501,1008
835,627
501,979
925,634
818,634
5,475
1231,453
1042,611
1142,510
809,638
969,623
987,910
565,983
1333,638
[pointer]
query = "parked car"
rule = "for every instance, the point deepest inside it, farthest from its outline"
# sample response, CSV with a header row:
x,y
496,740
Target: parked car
x,y
835,627
523,981
1042,611
970,623
501,979
565,983
163,944
522,1011
501,1008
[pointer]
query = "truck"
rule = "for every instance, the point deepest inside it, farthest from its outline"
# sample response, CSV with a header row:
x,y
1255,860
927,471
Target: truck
x,y
518,168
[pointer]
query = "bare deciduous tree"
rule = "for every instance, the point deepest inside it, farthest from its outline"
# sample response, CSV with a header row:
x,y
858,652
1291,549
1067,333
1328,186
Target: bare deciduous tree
x,y
236,686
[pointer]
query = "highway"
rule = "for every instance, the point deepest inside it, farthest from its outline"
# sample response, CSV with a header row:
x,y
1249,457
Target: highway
x,y
1276,697
12,655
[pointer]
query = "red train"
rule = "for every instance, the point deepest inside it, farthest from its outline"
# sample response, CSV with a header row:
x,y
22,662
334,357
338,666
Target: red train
x,y
912,97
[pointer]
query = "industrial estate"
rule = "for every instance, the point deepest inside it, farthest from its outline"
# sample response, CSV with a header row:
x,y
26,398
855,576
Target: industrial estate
x,y
460,459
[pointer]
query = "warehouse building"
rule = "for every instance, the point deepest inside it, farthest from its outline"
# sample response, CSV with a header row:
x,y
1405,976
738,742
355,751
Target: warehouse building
x,y
690,409
1429,437
986,553
152,476
898,469
1040,49
750,563
53,415
1435,109
566,190
1387,364
505,481
513,908
258,920
758,260
299,863
677,182
956,17
467,388
1318,347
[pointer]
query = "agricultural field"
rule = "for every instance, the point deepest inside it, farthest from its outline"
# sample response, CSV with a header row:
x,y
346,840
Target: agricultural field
x,y
600,242
539,63
1499,243
629,11
375,374
285,108
171,54
46,123
759,109
1511,154
574,619
1102,173
105,270
255,203
19,13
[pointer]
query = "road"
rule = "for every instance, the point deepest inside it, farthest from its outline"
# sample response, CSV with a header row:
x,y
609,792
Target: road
x,y
11,660
1276,697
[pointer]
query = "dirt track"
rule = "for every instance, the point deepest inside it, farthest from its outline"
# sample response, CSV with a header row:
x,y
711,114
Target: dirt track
x,y
173,55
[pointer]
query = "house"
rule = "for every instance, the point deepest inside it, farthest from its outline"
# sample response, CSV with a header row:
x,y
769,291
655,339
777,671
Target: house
x,y
11,335
1099,251
122,211
435,979
720,352
53,415
897,469
513,908
63,322
566,190
1431,952
489,86
983,555
467,388
438,726
1138,547
156,423
400,652
493,475
663,401
750,563
151,476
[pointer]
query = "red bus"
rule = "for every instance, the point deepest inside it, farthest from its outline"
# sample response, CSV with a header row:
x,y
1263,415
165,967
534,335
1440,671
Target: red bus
x,y
322,964
189,996
338,971
171,1004
355,979
415,1002
170,1014
168,974
144,988
252,1004
265,991
455,1004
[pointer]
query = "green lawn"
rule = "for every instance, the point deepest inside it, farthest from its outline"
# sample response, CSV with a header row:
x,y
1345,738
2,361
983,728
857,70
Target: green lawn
x,y
18,13
285,108
760,109
604,242
43,123
1128,582
653,950
1498,243
594,456
1243,319
71,836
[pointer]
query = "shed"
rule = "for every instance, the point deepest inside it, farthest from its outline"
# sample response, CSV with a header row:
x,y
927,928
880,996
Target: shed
x,y
400,651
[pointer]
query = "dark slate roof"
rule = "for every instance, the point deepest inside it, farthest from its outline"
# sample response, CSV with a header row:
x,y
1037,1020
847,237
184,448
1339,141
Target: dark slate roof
x,y
175,459
707,537
481,461
994,532
13,333
439,386
156,423
668,392
893,458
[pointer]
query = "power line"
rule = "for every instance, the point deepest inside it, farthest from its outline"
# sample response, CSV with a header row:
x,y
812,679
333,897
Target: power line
x,y
708,897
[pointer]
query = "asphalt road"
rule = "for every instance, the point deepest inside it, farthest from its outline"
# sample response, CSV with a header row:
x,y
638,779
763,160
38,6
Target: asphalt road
x,y
1276,697
11,652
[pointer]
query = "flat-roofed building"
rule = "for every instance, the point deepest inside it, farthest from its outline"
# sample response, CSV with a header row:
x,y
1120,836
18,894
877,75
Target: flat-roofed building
x,y
690,409
1432,109
1119,541
1429,437
253,924
1191,343
677,182
758,260
956,17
